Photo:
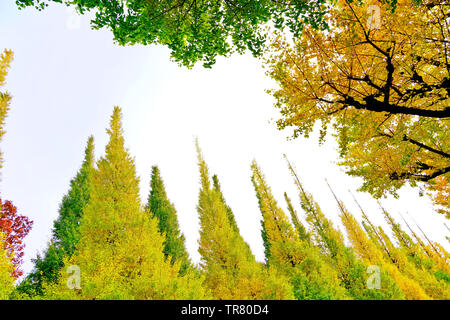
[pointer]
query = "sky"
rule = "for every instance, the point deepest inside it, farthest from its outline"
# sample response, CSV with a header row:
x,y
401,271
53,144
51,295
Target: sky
x,y
65,81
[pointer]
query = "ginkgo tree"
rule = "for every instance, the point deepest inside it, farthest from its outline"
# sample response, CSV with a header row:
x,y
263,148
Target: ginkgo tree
x,y
380,78
163,210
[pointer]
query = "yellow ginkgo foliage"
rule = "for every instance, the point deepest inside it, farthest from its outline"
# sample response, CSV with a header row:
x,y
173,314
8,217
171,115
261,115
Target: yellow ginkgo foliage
x,y
373,255
380,78
311,276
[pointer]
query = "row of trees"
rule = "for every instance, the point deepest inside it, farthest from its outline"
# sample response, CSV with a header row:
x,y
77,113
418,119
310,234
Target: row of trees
x,y
116,248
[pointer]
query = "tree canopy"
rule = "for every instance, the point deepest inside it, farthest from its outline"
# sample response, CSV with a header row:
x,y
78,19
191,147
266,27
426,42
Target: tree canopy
x,y
383,84
197,30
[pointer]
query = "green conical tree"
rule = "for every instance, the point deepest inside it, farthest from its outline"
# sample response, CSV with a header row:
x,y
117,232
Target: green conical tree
x,y
120,252
66,234
161,208
231,269
310,276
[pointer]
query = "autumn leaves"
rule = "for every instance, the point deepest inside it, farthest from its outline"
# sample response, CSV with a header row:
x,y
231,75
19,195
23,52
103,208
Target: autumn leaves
x,y
383,91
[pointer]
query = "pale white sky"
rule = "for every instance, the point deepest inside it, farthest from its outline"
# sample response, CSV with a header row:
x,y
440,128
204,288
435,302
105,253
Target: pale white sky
x,y
65,80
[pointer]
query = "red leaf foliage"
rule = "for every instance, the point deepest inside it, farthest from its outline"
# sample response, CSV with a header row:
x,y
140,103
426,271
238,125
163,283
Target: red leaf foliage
x,y
14,228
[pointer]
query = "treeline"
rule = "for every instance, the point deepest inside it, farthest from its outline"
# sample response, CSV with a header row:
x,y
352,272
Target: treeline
x,y
107,245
